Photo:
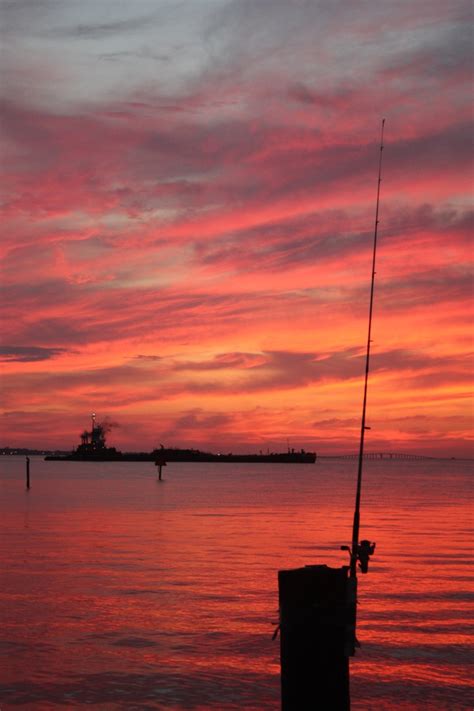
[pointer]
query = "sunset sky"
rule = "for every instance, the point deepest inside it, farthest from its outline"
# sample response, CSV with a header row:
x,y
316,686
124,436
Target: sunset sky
x,y
188,208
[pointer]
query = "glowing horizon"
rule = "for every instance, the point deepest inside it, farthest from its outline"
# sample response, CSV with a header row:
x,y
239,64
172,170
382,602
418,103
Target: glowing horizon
x,y
188,218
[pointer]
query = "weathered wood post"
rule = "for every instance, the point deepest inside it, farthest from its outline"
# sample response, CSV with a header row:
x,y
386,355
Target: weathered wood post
x,y
27,473
317,636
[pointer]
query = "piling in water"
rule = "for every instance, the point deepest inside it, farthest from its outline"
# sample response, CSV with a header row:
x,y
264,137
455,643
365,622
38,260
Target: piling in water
x,y
317,619
27,473
160,462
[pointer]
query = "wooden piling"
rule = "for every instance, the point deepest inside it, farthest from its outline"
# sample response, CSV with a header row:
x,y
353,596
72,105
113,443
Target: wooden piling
x,y
27,473
160,462
317,617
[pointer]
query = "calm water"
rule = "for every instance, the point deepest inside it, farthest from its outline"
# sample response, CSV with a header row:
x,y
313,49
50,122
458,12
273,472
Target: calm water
x,y
119,592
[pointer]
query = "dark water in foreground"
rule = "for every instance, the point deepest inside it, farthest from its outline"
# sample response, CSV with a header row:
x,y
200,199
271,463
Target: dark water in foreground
x,y
119,592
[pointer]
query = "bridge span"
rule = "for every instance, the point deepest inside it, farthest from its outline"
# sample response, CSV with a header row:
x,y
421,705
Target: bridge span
x,y
378,455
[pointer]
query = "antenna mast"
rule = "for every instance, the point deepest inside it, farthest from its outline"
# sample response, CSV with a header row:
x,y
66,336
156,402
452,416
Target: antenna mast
x,y
362,552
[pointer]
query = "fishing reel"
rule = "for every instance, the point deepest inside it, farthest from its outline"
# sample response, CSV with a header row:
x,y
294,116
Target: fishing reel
x,y
363,551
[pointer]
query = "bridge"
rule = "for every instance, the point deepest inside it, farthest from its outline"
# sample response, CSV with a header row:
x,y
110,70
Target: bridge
x,y
378,455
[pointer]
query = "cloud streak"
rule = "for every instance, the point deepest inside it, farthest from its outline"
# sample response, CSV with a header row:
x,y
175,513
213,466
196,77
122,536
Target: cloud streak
x,y
27,354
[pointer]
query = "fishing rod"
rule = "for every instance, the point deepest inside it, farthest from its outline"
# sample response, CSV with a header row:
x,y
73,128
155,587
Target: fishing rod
x,y
363,550
318,604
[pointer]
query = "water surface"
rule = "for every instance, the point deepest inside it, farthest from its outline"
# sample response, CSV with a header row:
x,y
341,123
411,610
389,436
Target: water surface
x,y
121,592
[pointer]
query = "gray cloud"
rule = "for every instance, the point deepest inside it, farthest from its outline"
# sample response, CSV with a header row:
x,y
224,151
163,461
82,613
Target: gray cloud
x,y
200,418
100,30
149,358
443,56
27,354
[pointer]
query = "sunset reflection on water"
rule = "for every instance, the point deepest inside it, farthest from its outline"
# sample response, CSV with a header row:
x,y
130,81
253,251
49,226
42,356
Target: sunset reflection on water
x,y
122,592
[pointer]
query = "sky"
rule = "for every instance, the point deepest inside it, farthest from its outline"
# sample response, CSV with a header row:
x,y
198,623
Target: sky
x,y
188,213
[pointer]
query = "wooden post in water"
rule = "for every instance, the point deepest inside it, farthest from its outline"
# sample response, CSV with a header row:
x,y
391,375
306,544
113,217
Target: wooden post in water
x,y
317,614
160,462
27,473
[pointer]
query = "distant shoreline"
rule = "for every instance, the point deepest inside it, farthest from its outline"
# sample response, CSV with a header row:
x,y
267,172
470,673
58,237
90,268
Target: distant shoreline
x,y
146,456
